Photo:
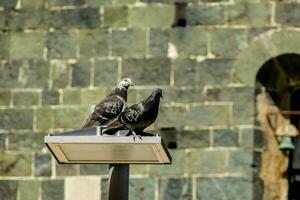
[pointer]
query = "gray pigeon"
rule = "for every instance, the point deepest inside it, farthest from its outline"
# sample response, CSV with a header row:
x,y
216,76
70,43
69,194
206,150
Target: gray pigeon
x,y
139,116
110,107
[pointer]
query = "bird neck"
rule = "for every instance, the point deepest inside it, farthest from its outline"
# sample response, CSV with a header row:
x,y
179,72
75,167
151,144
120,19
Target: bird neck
x,y
122,92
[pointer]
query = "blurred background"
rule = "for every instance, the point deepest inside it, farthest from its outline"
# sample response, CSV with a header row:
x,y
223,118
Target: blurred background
x,y
230,75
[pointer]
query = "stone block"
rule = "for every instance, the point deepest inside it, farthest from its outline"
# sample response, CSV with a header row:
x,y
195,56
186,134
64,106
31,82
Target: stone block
x,y
16,119
202,161
53,190
2,141
33,4
75,18
109,2
158,44
244,112
172,116
193,139
178,95
177,167
227,187
94,169
60,74
115,16
71,97
175,188
81,72
67,170
25,98
44,118
15,164
257,31
50,97
32,47
240,162
225,137
287,14
4,40
70,117
56,3
252,137
185,72
139,169
93,43
209,115
186,43
28,19
142,188
5,97
92,97
131,42
26,141
11,4
29,190
8,189
152,15
227,43
205,15
78,188
61,45
215,72
152,71
42,164
231,94
105,72
253,14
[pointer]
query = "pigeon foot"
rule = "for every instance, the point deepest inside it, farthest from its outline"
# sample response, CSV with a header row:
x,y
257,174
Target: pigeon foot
x,y
135,135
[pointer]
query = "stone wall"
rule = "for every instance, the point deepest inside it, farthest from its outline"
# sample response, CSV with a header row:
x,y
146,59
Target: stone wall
x,y
59,57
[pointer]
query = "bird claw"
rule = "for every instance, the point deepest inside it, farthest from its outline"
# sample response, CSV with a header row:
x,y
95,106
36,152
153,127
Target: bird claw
x,y
137,136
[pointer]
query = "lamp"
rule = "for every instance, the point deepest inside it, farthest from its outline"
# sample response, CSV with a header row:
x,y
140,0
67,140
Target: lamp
x,y
286,143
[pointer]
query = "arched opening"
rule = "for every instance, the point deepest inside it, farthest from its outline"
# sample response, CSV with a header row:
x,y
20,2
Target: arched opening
x,y
277,90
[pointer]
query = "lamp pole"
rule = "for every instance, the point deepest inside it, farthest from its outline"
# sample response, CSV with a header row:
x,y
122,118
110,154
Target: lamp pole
x,y
118,182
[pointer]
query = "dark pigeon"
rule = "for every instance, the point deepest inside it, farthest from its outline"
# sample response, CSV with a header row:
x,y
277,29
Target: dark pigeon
x,y
139,116
110,107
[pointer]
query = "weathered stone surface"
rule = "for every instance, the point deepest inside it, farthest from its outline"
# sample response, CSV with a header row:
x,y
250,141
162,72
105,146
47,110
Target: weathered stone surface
x,y
225,137
15,164
158,44
177,95
175,188
93,43
32,45
208,115
4,40
193,139
171,116
185,72
215,71
24,73
67,170
240,162
75,18
228,94
153,71
105,72
227,43
44,118
26,141
131,42
28,19
109,2
61,45
2,141
8,189
93,169
60,73
5,97
71,97
8,4
257,31
53,190
206,161
92,97
255,14
78,188
70,118
42,164
287,14
29,190
177,167
54,3
50,97
115,16
33,4
25,98
16,119
141,188
139,169
152,16
81,73
227,187
186,43
205,15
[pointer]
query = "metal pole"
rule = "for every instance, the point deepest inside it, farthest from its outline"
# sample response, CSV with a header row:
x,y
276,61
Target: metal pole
x,y
118,182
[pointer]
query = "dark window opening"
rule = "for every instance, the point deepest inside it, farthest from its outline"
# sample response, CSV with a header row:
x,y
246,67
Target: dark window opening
x,y
169,137
180,19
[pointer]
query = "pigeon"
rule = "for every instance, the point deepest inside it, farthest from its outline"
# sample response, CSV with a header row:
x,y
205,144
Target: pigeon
x,y
110,107
139,116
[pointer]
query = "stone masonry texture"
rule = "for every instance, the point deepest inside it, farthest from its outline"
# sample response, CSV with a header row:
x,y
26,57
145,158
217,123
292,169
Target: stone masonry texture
x,y
60,57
